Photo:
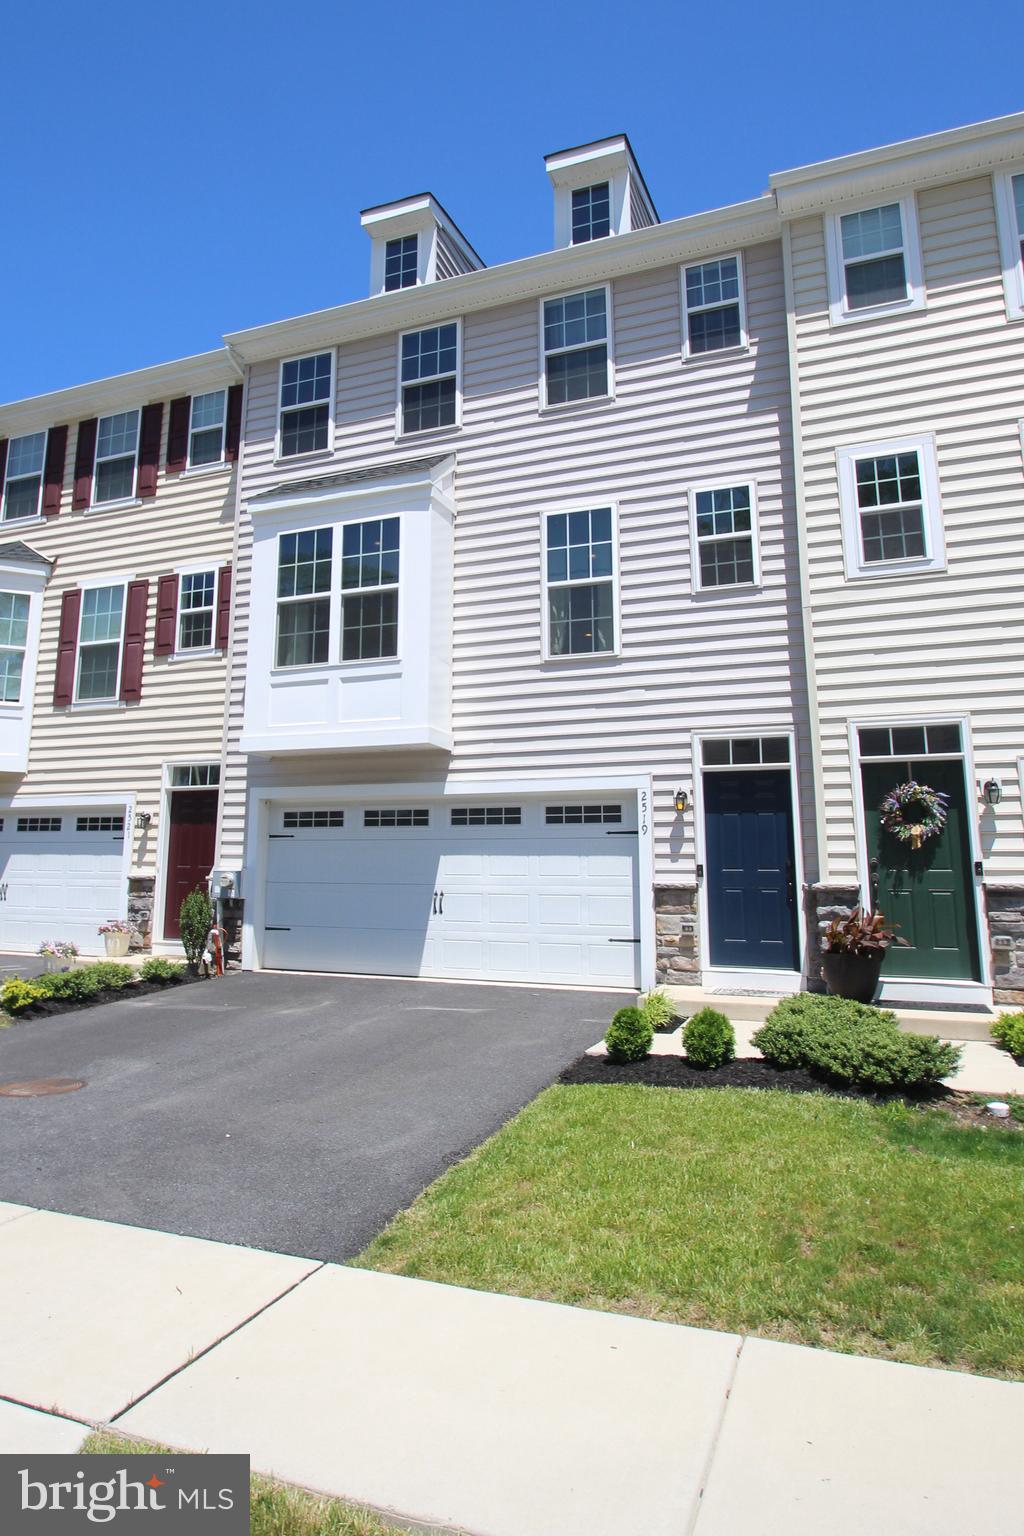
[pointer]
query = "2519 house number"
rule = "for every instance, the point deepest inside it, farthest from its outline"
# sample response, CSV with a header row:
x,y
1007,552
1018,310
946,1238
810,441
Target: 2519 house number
x,y
643,810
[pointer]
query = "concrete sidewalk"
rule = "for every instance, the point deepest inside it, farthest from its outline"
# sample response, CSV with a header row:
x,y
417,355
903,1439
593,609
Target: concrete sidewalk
x,y
486,1414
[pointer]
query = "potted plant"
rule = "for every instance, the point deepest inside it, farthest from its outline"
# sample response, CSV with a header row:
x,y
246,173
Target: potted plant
x,y
853,950
116,936
58,954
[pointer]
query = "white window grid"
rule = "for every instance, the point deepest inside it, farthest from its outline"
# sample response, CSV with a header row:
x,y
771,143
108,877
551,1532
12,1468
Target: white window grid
x,y
401,263
310,821
582,540
398,817
429,358
709,287
306,384
117,442
934,556
837,261
576,322
319,556
195,775
197,600
582,815
730,504
24,476
14,616
104,626
113,824
487,816
207,424
39,823
370,584
590,212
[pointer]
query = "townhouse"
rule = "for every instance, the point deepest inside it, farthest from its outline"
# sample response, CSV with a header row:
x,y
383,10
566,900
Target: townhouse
x,y
115,589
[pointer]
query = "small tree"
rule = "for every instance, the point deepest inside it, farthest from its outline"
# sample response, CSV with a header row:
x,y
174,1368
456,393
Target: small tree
x,y
195,922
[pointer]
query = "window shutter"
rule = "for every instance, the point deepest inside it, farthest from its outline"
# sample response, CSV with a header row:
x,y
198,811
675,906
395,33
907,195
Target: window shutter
x,y
166,616
67,647
177,434
224,608
53,472
149,448
85,458
3,462
136,604
233,430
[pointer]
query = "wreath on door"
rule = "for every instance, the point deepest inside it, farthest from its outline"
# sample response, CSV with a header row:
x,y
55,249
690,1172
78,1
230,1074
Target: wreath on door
x,y
914,812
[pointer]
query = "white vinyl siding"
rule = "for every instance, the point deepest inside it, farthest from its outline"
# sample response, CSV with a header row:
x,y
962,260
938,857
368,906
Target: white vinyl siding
x,y
874,261
23,482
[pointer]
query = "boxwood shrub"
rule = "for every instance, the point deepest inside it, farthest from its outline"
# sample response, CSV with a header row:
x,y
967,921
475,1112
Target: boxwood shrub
x,y
629,1036
709,1039
853,1044
1008,1031
159,968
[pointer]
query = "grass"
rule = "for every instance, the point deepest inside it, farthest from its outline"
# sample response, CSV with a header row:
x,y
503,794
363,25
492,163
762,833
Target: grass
x,y
275,1509
876,1230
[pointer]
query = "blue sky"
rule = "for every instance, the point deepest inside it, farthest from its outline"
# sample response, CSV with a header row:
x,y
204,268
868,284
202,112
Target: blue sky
x,y
174,172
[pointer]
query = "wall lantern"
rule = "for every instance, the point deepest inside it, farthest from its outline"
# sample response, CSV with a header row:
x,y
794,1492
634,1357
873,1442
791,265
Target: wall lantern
x,y
681,801
993,791
142,820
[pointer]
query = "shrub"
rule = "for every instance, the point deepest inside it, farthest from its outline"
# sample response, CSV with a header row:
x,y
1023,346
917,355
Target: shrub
x,y
111,973
69,986
17,996
195,921
785,1039
1008,1031
709,1039
657,1009
629,1036
159,968
853,1043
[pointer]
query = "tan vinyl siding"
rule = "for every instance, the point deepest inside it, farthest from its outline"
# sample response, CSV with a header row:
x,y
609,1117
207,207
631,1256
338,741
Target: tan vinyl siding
x,y
714,662
449,260
949,642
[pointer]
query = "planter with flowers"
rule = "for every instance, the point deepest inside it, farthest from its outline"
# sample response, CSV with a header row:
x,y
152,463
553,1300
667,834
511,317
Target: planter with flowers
x,y
854,948
58,954
116,938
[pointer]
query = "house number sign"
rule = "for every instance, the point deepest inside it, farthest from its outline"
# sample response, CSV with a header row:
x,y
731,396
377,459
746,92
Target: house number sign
x,y
643,810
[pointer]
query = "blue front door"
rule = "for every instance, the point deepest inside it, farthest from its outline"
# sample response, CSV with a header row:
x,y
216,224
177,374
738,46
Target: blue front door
x,y
751,882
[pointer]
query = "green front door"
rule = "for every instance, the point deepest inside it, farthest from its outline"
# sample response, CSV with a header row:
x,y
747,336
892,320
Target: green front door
x,y
927,893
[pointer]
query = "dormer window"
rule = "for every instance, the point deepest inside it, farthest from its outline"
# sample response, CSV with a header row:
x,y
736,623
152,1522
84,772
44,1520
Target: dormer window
x,y
591,213
401,263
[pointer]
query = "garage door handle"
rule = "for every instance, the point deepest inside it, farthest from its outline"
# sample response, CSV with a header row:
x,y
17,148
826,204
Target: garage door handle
x,y
623,941
274,928
434,906
440,903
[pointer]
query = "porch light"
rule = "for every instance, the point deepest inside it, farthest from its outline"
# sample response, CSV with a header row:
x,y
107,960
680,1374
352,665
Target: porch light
x,y
993,791
681,801
142,820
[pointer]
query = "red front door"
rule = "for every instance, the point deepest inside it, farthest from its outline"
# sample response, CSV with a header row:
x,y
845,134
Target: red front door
x,y
190,849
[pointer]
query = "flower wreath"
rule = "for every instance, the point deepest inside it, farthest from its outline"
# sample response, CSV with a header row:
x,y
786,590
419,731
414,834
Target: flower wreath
x,y
914,812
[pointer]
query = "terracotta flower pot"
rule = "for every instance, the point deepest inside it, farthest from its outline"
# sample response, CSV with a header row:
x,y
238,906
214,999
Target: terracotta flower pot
x,y
853,976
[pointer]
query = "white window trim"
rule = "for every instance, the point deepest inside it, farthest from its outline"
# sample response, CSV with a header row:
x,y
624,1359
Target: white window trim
x,y
423,242
838,312
120,501
197,469
723,484
186,653
935,544
26,519
743,345
334,593
91,585
545,626
1009,240
614,208
429,432
314,453
542,383
11,705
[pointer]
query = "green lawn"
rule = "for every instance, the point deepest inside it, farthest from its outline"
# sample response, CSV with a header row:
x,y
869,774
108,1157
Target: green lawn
x,y
875,1230
274,1508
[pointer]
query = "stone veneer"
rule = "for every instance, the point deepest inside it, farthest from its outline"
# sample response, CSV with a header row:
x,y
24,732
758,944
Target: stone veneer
x,y
825,901
141,897
1005,904
675,923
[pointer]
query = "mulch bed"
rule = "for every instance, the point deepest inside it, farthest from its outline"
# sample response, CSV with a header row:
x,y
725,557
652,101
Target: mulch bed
x,y
47,1007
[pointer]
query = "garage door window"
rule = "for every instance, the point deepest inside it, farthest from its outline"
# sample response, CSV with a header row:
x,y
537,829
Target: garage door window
x,y
396,818
113,824
303,618
13,639
486,816
310,821
581,815
39,823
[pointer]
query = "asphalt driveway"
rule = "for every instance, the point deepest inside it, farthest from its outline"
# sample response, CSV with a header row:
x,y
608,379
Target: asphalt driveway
x,y
296,1113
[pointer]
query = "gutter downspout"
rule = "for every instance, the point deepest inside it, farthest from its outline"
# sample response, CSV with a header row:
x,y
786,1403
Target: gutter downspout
x,y
230,658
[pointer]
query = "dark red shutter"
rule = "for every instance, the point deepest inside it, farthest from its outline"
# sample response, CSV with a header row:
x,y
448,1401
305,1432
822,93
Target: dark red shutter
x,y
3,463
166,615
149,448
224,608
85,458
233,430
53,473
177,434
136,604
67,646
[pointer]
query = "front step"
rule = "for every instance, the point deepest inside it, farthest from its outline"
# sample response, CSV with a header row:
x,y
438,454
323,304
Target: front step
x,y
743,1008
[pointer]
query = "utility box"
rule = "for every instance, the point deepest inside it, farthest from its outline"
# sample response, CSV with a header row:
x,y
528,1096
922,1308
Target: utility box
x,y
225,884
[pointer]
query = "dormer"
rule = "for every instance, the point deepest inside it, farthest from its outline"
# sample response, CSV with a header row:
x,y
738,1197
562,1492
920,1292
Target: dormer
x,y
415,241
599,191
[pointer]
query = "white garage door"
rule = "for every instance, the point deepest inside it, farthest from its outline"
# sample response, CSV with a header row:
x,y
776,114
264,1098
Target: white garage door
x,y
517,890
60,875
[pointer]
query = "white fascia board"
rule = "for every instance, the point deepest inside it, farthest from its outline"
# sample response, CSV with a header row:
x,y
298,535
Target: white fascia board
x,y
569,267
958,152
571,167
186,375
34,576
431,482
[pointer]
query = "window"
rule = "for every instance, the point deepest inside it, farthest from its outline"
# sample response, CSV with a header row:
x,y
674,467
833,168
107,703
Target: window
x,y
39,823
369,588
99,643
724,537
909,740
890,508
874,261
1009,189
580,582
24,480
591,213
195,775
14,609
113,824
713,316
576,347
308,821
305,404
745,751
486,816
206,429
196,592
117,444
303,618
401,818
401,263
581,815
429,378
